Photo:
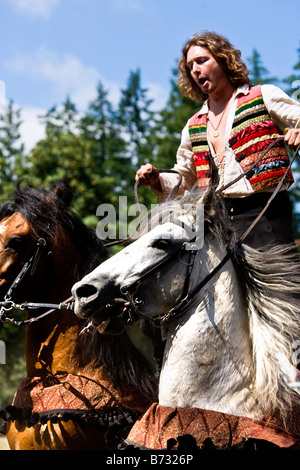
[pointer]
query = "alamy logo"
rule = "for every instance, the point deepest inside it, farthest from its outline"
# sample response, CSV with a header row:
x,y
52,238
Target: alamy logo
x,y
2,352
190,217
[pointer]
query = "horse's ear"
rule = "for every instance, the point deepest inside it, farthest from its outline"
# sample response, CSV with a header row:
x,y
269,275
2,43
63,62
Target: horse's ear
x,y
63,191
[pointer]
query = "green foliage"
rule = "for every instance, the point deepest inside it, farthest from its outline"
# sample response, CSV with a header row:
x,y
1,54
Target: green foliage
x,y
293,81
137,119
98,152
14,370
258,72
293,90
11,150
70,151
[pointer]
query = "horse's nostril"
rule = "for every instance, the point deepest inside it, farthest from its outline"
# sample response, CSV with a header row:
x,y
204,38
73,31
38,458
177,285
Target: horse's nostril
x,y
85,291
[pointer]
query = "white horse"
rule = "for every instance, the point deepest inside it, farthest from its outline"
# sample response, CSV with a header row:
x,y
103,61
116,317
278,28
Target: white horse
x,y
239,317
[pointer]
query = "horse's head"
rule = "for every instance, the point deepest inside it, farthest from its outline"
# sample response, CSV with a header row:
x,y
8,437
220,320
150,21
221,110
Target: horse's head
x,y
38,230
18,247
140,279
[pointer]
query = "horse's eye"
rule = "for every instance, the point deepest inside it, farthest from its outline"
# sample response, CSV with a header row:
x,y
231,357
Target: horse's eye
x,y
161,244
14,244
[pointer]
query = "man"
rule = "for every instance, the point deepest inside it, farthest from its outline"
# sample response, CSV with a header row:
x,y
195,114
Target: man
x,y
235,124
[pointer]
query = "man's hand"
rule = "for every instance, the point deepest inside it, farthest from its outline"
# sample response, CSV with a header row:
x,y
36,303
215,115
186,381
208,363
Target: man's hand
x,y
292,138
148,176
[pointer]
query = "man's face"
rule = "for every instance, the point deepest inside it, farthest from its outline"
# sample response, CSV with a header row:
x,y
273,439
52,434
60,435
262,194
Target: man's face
x,y
205,70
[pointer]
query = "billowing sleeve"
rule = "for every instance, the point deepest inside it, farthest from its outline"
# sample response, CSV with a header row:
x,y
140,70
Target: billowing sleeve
x,y
284,110
184,165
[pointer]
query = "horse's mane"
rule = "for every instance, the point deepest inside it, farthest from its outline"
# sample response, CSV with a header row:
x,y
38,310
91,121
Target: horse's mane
x,y
126,366
185,209
48,212
270,278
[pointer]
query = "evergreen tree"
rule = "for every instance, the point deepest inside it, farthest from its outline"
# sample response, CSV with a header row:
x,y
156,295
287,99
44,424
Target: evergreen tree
x,y
258,72
99,126
137,120
68,153
11,149
293,81
293,89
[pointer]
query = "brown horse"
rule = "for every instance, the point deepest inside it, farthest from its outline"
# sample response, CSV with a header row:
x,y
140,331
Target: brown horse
x,y
80,389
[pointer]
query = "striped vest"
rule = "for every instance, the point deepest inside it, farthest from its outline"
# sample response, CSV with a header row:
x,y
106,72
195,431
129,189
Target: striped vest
x,y
252,132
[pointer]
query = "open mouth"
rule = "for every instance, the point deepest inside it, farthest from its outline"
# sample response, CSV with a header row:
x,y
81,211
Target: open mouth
x,y
112,317
202,81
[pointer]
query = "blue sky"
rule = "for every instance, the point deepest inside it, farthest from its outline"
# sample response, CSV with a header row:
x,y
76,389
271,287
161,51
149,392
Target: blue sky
x,y
57,48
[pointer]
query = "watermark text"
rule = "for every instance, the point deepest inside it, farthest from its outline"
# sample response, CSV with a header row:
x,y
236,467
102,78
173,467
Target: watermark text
x,y
133,221
2,352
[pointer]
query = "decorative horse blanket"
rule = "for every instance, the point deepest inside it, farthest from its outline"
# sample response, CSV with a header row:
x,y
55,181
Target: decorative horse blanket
x,y
68,396
159,424
64,391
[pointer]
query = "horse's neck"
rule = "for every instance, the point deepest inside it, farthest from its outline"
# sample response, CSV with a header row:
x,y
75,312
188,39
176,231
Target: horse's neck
x,y
209,347
54,346
52,342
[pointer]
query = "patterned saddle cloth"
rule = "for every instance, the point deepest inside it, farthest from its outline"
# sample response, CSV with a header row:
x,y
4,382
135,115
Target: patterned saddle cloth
x,y
159,424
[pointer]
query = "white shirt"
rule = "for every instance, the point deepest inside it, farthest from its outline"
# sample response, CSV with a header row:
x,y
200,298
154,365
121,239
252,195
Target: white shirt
x,y
284,111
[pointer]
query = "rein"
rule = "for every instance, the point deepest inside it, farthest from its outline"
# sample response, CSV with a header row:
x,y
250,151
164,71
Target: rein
x,y
8,304
186,297
68,304
137,201
179,309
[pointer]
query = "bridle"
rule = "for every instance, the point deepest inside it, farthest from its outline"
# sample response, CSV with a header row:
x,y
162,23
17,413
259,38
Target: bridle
x,y
8,304
128,290
186,297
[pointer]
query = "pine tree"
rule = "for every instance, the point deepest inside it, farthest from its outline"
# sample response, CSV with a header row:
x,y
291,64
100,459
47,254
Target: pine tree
x,y
293,81
137,120
99,126
11,149
293,89
66,154
258,72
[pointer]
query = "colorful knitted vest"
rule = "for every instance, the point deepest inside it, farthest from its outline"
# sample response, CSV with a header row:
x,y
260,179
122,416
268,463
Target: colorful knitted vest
x,y
252,132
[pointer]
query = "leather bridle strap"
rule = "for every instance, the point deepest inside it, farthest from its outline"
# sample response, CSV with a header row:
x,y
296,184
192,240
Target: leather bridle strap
x,y
31,265
8,304
179,309
126,289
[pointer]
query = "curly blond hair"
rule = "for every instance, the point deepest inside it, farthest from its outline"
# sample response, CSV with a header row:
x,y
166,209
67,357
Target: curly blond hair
x,y
225,54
